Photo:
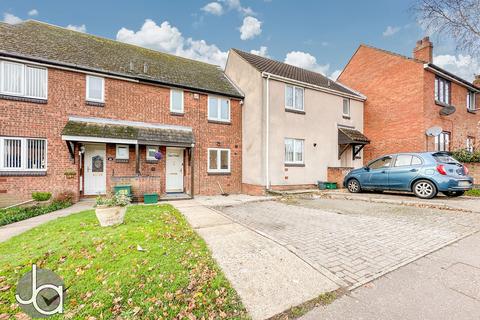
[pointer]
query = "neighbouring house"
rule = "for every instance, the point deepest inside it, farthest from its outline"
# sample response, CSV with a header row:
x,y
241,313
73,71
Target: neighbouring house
x,y
299,127
408,96
83,114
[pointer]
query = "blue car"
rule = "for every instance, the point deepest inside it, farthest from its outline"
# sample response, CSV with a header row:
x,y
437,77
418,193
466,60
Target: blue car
x,y
425,174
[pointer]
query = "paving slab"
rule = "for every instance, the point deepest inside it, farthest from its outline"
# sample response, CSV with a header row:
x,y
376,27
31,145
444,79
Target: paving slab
x,y
268,277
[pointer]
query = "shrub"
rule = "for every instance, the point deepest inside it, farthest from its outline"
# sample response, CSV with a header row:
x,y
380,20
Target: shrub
x,y
12,215
119,199
473,193
65,196
41,196
466,156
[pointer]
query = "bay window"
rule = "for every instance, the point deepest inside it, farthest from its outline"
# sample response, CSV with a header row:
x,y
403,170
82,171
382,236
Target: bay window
x,y
18,79
218,109
23,154
218,160
294,151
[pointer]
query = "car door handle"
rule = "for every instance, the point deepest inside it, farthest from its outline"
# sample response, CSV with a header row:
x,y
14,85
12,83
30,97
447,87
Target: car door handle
x,y
414,170
383,171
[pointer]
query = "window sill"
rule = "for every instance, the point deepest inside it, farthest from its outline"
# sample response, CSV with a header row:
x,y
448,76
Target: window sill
x,y
294,164
474,111
346,117
219,173
151,161
228,123
95,104
442,104
294,111
121,160
23,99
22,173
177,114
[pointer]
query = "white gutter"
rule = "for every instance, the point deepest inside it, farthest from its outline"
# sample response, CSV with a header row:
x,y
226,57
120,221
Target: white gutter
x,y
435,71
267,135
98,139
361,97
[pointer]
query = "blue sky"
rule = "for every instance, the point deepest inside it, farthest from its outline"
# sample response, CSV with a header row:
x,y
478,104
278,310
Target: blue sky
x,y
318,35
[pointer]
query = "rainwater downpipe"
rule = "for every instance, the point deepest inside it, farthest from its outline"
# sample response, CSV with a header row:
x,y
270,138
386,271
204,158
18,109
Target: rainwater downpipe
x,y
267,134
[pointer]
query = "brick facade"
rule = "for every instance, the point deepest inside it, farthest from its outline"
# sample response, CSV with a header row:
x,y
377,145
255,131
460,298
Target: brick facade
x,y
335,174
124,100
400,103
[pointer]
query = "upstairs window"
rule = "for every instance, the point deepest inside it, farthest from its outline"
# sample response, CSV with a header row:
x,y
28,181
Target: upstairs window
x,y
95,89
23,80
218,109
294,98
23,154
176,101
471,101
346,107
442,90
442,141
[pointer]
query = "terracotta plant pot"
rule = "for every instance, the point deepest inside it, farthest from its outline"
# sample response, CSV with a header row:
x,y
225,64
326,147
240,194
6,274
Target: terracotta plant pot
x,y
110,216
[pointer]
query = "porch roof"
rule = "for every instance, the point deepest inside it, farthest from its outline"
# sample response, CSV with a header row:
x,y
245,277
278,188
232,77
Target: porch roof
x,y
128,132
351,136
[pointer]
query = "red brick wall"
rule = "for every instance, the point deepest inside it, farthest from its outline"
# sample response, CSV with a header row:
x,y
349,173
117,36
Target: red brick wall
x,y
124,100
336,174
400,104
474,171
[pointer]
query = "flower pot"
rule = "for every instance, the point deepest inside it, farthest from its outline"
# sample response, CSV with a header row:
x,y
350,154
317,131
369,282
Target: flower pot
x,y
110,216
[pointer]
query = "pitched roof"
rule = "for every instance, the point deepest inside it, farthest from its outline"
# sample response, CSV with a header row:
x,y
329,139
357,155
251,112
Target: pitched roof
x,y
347,135
285,70
51,44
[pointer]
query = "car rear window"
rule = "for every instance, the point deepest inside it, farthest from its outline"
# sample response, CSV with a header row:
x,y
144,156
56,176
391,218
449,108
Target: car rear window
x,y
445,158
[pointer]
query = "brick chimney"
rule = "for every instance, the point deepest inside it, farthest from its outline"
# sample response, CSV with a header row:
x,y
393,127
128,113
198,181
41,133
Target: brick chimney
x,y
476,82
424,50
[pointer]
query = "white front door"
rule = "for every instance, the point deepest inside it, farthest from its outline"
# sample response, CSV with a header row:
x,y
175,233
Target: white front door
x,y
174,179
95,169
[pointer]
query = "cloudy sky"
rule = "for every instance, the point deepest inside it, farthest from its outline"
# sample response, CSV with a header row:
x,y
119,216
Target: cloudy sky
x,y
317,35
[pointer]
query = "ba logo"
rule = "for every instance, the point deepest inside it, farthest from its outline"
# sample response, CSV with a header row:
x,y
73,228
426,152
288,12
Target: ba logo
x,y
40,293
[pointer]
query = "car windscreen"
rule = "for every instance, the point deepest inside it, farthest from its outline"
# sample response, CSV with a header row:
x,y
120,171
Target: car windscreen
x,y
445,158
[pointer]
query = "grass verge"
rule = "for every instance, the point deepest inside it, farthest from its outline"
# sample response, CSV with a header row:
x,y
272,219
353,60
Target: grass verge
x,y
473,193
12,215
174,276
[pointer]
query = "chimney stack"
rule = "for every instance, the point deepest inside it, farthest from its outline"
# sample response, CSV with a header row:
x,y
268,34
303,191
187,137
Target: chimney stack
x,y
476,82
424,50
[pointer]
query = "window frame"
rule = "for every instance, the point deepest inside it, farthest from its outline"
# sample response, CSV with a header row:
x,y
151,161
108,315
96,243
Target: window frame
x,y
380,159
87,86
171,101
219,109
471,101
219,160
118,146
23,79
437,141
294,161
292,107
440,90
349,108
23,154
470,141
147,149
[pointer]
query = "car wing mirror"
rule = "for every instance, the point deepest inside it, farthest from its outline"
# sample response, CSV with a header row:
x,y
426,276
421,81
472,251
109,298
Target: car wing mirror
x,y
366,168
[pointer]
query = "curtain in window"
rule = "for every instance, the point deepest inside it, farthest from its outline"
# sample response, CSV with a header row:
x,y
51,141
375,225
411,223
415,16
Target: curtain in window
x,y
177,103
36,154
299,98
12,153
289,96
12,78
298,151
288,150
36,82
95,88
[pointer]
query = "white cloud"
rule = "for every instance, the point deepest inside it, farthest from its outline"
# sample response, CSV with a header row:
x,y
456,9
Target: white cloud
x,y
11,19
263,52
33,12
167,38
250,28
306,61
335,74
390,31
82,28
463,66
214,8
236,5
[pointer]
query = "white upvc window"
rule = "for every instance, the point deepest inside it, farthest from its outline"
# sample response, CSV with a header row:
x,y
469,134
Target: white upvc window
x,y
18,79
442,90
176,101
218,160
151,151
294,98
442,141
95,89
122,152
346,107
471,101
23,154
294,151
218,109
470,144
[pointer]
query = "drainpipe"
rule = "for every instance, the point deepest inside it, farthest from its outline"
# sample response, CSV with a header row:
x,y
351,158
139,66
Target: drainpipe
x,y
267,135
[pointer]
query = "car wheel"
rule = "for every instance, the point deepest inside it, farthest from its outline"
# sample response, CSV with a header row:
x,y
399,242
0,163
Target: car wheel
x,y
454,193
425,189
353,186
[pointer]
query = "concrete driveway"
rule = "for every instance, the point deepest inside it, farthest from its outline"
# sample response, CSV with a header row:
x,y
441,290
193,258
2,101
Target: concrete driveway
x,y
355,240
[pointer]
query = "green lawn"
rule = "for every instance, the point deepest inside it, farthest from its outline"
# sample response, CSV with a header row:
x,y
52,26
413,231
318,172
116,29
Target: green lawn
x,y
175,277
473,193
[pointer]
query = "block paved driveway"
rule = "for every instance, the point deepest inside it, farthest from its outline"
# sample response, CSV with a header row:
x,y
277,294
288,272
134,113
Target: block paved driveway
x,y
355,241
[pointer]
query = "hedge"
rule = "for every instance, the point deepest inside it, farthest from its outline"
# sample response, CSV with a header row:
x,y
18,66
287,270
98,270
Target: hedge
x,y
466,156
12,215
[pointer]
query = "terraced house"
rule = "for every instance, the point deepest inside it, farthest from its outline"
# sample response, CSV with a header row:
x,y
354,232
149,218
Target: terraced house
x,y
81,113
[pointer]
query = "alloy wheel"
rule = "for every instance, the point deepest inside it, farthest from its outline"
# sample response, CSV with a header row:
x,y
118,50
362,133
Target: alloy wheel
x,y
424,189
353,186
